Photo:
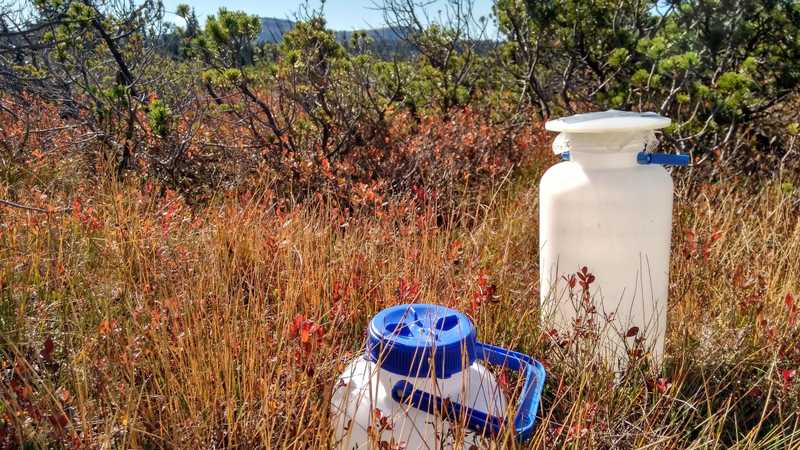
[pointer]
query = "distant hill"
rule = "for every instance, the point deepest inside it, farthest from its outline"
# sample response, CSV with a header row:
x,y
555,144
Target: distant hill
x,y
386,43
273,29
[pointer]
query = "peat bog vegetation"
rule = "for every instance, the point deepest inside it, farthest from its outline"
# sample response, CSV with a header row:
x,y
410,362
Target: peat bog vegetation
x,y
139,322
195,227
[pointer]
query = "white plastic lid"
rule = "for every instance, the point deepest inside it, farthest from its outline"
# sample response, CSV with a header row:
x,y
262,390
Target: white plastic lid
x,y
608,121
607,131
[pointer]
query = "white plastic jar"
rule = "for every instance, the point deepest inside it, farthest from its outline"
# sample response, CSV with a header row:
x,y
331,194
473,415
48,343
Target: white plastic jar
x,y
423,383
608,207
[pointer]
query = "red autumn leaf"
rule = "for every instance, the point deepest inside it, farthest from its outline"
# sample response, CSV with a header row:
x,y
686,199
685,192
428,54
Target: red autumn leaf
x,y
504,381
633,331
306,330
662,385
483,280
105,328
586,278
755,392
76,207
47,350
789,300
384,422
63,394
58,420
297,323
408,291
788,377
24,392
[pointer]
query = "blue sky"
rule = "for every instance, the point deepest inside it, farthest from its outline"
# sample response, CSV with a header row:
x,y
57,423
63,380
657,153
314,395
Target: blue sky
x,y
341,14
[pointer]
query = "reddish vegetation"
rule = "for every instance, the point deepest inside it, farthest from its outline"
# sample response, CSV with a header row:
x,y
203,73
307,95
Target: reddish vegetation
x,y
431,158
150,311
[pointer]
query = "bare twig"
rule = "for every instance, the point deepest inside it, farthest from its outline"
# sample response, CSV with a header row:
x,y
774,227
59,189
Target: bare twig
x,y
11,204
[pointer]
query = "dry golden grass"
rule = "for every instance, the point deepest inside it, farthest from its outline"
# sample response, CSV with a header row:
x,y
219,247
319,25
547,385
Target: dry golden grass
x,y
143,324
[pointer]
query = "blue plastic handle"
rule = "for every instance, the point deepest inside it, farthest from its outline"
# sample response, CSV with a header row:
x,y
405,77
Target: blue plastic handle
x,y
479,421
645,158
665,159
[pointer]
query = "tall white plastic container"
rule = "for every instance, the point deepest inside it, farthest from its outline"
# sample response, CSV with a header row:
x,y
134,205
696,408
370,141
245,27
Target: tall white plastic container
x,y
608,208
423,383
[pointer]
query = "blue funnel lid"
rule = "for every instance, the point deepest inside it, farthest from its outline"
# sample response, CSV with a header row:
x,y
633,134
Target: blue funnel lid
x,y
417,340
